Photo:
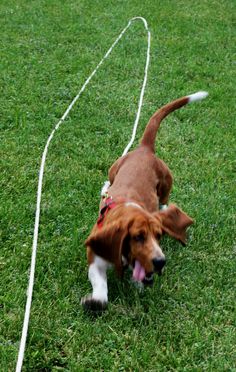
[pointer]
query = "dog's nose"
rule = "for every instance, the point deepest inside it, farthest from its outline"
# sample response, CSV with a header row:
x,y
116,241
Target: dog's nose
x,y
159,263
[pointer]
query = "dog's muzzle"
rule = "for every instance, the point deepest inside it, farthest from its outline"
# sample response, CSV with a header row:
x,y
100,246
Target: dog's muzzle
x,y
159,263
149,279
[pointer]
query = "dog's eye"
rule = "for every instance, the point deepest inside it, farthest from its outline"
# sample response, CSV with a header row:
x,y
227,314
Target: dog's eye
x,y
140,238
158,236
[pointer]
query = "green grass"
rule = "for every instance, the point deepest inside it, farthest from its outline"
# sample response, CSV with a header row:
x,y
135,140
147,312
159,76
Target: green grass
x,y
186,322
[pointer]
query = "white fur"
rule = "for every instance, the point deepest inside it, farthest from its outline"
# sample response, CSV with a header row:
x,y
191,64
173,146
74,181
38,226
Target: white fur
x,y
132,204
105,188
124,261
197,96
98,278
157,252
163,207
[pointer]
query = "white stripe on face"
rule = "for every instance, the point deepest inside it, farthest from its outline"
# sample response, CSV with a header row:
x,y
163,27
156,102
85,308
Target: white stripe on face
x,y
157,252
132,204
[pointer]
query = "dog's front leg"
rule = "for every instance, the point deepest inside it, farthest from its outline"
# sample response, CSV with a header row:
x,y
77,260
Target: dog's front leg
x,y
97,301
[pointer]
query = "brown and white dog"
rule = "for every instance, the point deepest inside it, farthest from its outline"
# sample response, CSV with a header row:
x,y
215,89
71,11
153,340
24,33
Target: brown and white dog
x,y
131,223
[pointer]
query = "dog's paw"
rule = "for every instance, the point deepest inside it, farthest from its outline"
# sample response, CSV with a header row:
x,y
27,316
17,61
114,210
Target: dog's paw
x,y
92,305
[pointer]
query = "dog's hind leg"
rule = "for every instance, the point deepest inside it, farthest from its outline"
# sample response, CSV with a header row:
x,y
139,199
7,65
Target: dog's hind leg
x,y
164,183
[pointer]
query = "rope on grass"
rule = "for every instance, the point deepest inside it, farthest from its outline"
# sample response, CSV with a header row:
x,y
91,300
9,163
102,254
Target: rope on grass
x,y
41,173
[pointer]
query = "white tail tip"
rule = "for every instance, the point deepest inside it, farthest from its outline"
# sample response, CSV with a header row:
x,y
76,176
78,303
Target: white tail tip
x,y
197,96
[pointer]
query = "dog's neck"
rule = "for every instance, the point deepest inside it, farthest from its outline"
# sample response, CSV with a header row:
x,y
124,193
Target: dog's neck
x,y
109,203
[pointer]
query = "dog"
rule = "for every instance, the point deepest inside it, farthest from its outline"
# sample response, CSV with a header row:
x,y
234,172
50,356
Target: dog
x,y
131,221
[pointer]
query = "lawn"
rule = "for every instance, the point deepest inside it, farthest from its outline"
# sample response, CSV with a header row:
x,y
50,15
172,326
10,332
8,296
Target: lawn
x,y
186,321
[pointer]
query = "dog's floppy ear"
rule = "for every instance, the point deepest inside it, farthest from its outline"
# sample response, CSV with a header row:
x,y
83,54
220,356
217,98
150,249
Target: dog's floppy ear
x,y
107,243
175,222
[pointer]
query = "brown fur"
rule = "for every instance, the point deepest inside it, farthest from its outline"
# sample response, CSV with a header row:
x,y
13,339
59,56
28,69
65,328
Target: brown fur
x,y
109,242
142,178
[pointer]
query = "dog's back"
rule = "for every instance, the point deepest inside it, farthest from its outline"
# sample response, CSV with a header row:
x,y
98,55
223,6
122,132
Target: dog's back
x,y
138,176
141,176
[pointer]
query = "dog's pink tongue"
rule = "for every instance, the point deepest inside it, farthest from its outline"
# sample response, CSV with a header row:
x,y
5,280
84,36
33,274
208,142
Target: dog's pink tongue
x,y
138,272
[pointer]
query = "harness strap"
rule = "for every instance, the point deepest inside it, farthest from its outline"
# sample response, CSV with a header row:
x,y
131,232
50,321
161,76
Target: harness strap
x,y
109,204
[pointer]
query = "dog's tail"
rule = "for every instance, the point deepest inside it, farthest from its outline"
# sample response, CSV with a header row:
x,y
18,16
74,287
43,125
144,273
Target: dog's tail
x,y
153,125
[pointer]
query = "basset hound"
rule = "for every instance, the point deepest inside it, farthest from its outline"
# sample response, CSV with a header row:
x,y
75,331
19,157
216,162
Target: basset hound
x,y
131,222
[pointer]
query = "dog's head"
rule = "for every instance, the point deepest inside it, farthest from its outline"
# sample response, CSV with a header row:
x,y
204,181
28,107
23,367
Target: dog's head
x,y
132,235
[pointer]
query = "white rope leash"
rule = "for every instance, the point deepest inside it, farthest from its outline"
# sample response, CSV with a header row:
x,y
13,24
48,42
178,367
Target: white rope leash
x,y
41,172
